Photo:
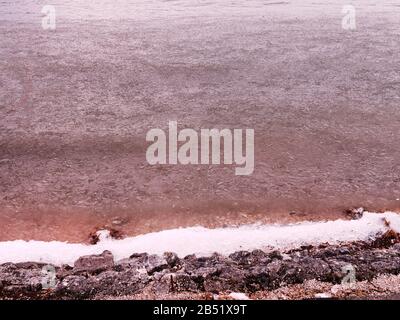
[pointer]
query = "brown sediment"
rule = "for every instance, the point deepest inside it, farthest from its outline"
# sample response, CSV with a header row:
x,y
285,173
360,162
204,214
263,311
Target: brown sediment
x,y
75,224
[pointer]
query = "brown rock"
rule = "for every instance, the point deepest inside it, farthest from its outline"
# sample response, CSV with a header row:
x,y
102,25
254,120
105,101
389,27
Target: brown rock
x,y
94,263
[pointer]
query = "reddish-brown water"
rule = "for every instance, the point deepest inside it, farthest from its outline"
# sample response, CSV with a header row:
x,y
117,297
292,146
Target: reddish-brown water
x,y
76,104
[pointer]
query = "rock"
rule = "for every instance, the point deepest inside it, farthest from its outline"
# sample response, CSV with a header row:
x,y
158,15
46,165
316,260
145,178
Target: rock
x,y
172,259
250,258
121,283
183,282
94,263
243,271
75,287
150,263
226,278
155,263
136,261
386,240
276,255
259,278
18,282
30,265
241,257
355,213
139,256
175,282
104,233
64,270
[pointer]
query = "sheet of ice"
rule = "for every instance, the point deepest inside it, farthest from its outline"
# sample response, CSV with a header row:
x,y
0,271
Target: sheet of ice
x,y
203,241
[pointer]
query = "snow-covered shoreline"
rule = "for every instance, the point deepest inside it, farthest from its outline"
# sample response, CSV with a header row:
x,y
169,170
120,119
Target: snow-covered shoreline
x,y
204,242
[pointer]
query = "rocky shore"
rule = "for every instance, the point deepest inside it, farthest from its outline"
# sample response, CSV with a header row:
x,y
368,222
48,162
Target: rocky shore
x,y
258,274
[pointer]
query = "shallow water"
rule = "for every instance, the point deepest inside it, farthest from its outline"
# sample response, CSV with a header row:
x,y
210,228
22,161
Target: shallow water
x,y
76,103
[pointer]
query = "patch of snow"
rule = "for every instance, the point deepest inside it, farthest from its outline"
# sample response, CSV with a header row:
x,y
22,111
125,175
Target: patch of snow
x,y
323,295
238,296
203,241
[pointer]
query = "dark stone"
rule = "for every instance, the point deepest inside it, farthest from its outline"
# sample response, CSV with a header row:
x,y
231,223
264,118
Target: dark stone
x,y
94,263
155,263
75,287
242,271
172,259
